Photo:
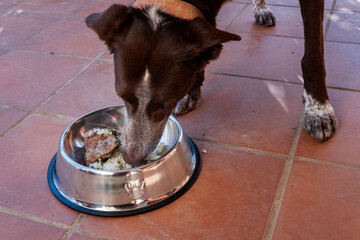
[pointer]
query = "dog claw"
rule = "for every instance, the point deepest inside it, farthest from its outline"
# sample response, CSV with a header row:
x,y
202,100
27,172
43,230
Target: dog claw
x,y
264,17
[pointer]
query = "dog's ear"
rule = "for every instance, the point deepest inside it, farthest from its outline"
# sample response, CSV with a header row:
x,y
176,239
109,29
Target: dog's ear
x,y
107,23
208,39
208,35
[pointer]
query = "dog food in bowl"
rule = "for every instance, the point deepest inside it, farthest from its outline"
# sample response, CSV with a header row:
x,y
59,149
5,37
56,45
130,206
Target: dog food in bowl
x,y
103,150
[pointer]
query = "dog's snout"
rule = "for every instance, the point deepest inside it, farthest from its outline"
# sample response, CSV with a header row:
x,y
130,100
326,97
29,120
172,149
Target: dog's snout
x,y
133,157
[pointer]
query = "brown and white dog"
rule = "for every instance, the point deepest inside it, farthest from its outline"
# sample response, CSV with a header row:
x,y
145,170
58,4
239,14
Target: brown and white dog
x,y
161,48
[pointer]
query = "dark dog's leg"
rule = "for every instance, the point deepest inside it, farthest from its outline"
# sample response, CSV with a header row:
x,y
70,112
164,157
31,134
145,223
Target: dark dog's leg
x,y
263,15
320,120
191,100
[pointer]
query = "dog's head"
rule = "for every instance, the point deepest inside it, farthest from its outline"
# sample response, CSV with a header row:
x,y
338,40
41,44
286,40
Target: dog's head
x,y
156,59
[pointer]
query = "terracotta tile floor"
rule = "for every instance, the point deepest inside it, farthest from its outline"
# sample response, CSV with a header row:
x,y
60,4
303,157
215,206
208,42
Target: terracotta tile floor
x,y
263,177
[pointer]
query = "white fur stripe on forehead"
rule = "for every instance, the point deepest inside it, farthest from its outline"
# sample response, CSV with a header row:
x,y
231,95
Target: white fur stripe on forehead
x,y
146,78
154,16
143,92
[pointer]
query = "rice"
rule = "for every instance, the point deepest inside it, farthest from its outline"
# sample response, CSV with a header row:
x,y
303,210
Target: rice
x,y
160,150
116,160
99,131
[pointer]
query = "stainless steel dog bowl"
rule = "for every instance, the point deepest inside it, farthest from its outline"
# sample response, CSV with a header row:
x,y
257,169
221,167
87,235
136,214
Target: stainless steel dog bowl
x,y
121,192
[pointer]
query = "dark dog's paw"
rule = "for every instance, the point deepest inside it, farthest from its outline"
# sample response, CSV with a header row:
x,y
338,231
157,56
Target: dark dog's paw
x,y
320,120
264,16
186,104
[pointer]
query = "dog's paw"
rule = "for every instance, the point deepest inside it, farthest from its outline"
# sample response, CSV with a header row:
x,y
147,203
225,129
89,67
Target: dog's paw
x,y
186,104
320,120
264,16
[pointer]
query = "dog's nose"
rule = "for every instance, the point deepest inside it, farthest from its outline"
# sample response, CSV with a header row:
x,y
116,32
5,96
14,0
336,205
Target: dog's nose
x,y
132,157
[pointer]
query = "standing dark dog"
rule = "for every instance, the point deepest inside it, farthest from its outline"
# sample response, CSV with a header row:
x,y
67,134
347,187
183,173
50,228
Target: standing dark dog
x,y
161,48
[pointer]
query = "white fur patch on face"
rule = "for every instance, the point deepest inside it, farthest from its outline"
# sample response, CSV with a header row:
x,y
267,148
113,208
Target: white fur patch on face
x,y
154,17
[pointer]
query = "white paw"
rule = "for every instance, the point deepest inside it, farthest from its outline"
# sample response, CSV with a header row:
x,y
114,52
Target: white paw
x,y
264,16
320,120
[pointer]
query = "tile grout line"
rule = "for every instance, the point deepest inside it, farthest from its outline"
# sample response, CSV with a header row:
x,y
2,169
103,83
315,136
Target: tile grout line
x,y
52,54
291,37
279,81
14,107
26,14
272,154
33,35
342,42
252,77
327,163
238,14
57,115
269,35
73,227
33,218
149,222
87,234
329,20
63,55
28,113
239,148
280,191
5,9
68,82
15,124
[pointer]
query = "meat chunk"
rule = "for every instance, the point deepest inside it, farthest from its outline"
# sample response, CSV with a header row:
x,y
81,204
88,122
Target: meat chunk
x,y
99,144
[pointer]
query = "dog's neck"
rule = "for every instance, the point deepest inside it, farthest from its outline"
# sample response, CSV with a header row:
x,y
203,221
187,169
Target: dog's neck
x,y
175,8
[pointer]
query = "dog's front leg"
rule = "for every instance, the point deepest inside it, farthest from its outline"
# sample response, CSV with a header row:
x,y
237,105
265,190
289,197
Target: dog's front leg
x,y
263,15
320,120
192,98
